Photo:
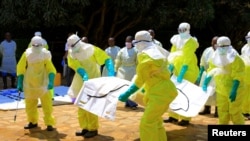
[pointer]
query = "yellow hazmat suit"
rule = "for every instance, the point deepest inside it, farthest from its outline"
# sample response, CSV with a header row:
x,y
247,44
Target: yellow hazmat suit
x,y
182,54
226,67
35,65
90,58
153,76
245,55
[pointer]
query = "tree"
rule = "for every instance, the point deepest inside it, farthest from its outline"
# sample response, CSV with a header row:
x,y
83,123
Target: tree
x,y
100,19
232,18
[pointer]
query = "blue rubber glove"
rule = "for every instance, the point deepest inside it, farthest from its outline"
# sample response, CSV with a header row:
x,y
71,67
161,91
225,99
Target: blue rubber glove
x,y
206,82
171,68
110,67
182,73
233,92
83,74
124,96
200,74
63,62
20,82
51,81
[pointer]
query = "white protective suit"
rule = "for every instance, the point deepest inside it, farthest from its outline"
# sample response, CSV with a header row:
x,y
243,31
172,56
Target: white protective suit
x,y
125,63
8,51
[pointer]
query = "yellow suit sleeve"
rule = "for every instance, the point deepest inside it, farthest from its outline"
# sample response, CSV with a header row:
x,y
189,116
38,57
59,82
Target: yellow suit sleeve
x,y
21,65
118,61
100,55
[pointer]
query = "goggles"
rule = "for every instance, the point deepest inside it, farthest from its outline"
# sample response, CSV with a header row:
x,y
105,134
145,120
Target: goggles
x,y
36,45
73,45
182,30
135,41
247,37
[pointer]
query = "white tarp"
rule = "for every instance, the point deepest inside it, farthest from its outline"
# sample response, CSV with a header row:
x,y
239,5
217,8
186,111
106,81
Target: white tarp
x,y
190,99
100,95
11,100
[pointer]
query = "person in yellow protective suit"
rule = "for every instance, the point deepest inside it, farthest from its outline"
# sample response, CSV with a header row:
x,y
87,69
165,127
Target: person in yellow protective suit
x,y
153,76
125,65
204,64
36,74
45,45
85,59
227,69
245,55
183,63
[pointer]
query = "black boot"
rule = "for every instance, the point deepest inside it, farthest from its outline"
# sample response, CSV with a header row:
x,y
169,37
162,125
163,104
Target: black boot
x,y
30,125
4,82
50,128
90,134
183,123
81,133
216,112
170,119
13,82
207,110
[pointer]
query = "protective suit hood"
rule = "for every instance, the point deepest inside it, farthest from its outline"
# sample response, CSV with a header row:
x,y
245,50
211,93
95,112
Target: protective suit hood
x,y
142,40
79,49
225,53
37,44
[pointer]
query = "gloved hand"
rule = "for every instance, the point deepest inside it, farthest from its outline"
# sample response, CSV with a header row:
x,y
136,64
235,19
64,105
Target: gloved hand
x,y
182,73
20,82
233,92
83,74
124,96
110,67
63,62
73,100
206,82
200,74
51,81
171,68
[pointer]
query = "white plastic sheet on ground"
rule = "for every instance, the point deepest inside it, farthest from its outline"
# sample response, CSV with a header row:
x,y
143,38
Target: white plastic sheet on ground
x,y
11,100
190,99
100,95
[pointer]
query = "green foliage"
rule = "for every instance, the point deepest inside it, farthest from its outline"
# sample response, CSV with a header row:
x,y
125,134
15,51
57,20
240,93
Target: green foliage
x,y
100,19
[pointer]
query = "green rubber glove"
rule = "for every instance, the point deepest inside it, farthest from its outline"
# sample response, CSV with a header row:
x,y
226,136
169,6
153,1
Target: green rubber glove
x,y
124,96
202,69
51,81
233,92
83,74
206,82
110,67
182,73
20,82
171,68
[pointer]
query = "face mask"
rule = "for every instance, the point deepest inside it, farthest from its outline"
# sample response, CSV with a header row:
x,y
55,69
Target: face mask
x,y
222,50
75,48
128,44
37,49
248,41
183,35
139,46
